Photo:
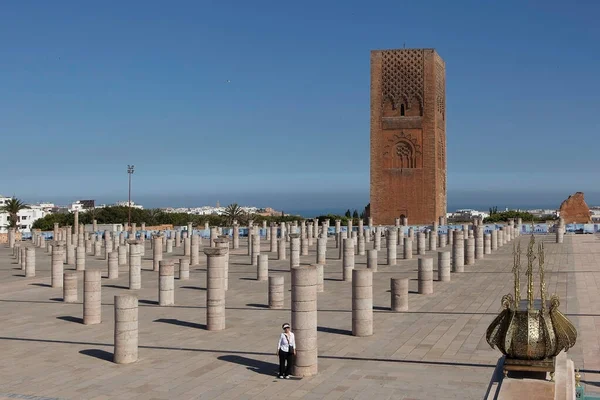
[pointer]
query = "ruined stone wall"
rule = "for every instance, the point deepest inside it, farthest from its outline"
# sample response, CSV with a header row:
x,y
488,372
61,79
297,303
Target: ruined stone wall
x,y
575,210
4,237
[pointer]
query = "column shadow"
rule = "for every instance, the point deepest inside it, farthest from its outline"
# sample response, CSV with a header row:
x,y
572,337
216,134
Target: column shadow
x,y
116,286
381,308
181,323
257,305
40,284
334,330
192,287
258,366
97,353
69,318
493,389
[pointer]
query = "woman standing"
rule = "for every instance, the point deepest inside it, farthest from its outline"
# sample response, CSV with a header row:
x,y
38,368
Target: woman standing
x,y
286,350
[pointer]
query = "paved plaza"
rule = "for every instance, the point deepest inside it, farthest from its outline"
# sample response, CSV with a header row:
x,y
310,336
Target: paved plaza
x,y
436,350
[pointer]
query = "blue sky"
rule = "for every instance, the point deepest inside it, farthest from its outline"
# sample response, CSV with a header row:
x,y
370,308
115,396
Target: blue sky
x,y
89,88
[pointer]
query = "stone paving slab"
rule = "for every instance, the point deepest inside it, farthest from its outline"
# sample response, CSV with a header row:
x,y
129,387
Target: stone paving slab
x,y
435,350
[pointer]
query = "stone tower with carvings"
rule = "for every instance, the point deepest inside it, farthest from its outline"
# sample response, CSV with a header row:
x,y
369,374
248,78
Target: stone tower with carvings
x,y
408,136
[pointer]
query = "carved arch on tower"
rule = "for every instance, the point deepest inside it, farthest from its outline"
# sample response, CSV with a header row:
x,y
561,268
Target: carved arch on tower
x,y
414,107
403,106
405,151
402,150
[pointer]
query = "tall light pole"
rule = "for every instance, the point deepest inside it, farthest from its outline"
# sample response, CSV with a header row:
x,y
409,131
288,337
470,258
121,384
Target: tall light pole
x,y
129,172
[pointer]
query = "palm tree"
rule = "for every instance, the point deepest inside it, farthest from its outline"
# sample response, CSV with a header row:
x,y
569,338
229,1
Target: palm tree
x,y
12,207
233,212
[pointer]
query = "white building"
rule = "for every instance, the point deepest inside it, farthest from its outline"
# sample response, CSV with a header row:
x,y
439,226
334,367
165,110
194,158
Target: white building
x,y
208,210
468,214
25,218
595,214
76,206
126,204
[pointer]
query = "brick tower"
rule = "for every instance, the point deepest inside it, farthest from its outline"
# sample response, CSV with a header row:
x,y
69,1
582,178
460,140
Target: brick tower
x,y
408,136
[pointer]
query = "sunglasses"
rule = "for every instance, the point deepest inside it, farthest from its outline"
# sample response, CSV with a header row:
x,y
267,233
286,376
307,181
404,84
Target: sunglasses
x,y
287,327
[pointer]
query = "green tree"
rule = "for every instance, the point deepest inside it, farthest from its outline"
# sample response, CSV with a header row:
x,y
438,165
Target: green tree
x,y
332,218
47,223
119,214
348,214
506,215
12,207
355,214
233,212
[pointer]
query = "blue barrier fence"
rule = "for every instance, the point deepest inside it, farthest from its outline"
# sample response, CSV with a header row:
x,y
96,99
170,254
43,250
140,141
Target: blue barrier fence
x,y
525,229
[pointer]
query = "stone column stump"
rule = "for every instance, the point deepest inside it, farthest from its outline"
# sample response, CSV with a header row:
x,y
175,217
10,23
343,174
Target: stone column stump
x,y
122,252
30,263
276,291
348,259
304,319
407,250
135,265
80,258
57,264
320,278
294,250
262,269
113,265
391,246
421,243
92,307
157,253
444,266
362,302
399,289
166,283
458,252
184,269
126,329
281,249
70,287
215,288
194,250
70,254
425,275
470,251
322,250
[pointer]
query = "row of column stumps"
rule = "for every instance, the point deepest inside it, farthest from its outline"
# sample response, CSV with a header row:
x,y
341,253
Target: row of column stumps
x,y
306,280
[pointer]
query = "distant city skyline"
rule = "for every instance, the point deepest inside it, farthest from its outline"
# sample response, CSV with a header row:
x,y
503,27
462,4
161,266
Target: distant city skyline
x,y
302,203
269,105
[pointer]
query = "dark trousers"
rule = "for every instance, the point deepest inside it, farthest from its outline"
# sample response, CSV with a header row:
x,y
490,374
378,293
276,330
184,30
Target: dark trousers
x,y
283,357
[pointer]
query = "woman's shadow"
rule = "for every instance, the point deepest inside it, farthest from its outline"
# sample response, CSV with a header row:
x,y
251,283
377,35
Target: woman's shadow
x,y
260,367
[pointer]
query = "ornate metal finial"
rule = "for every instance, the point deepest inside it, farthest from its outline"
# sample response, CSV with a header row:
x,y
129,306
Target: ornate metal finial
x,y
533,336
542,275
577,378
517,272
530,258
